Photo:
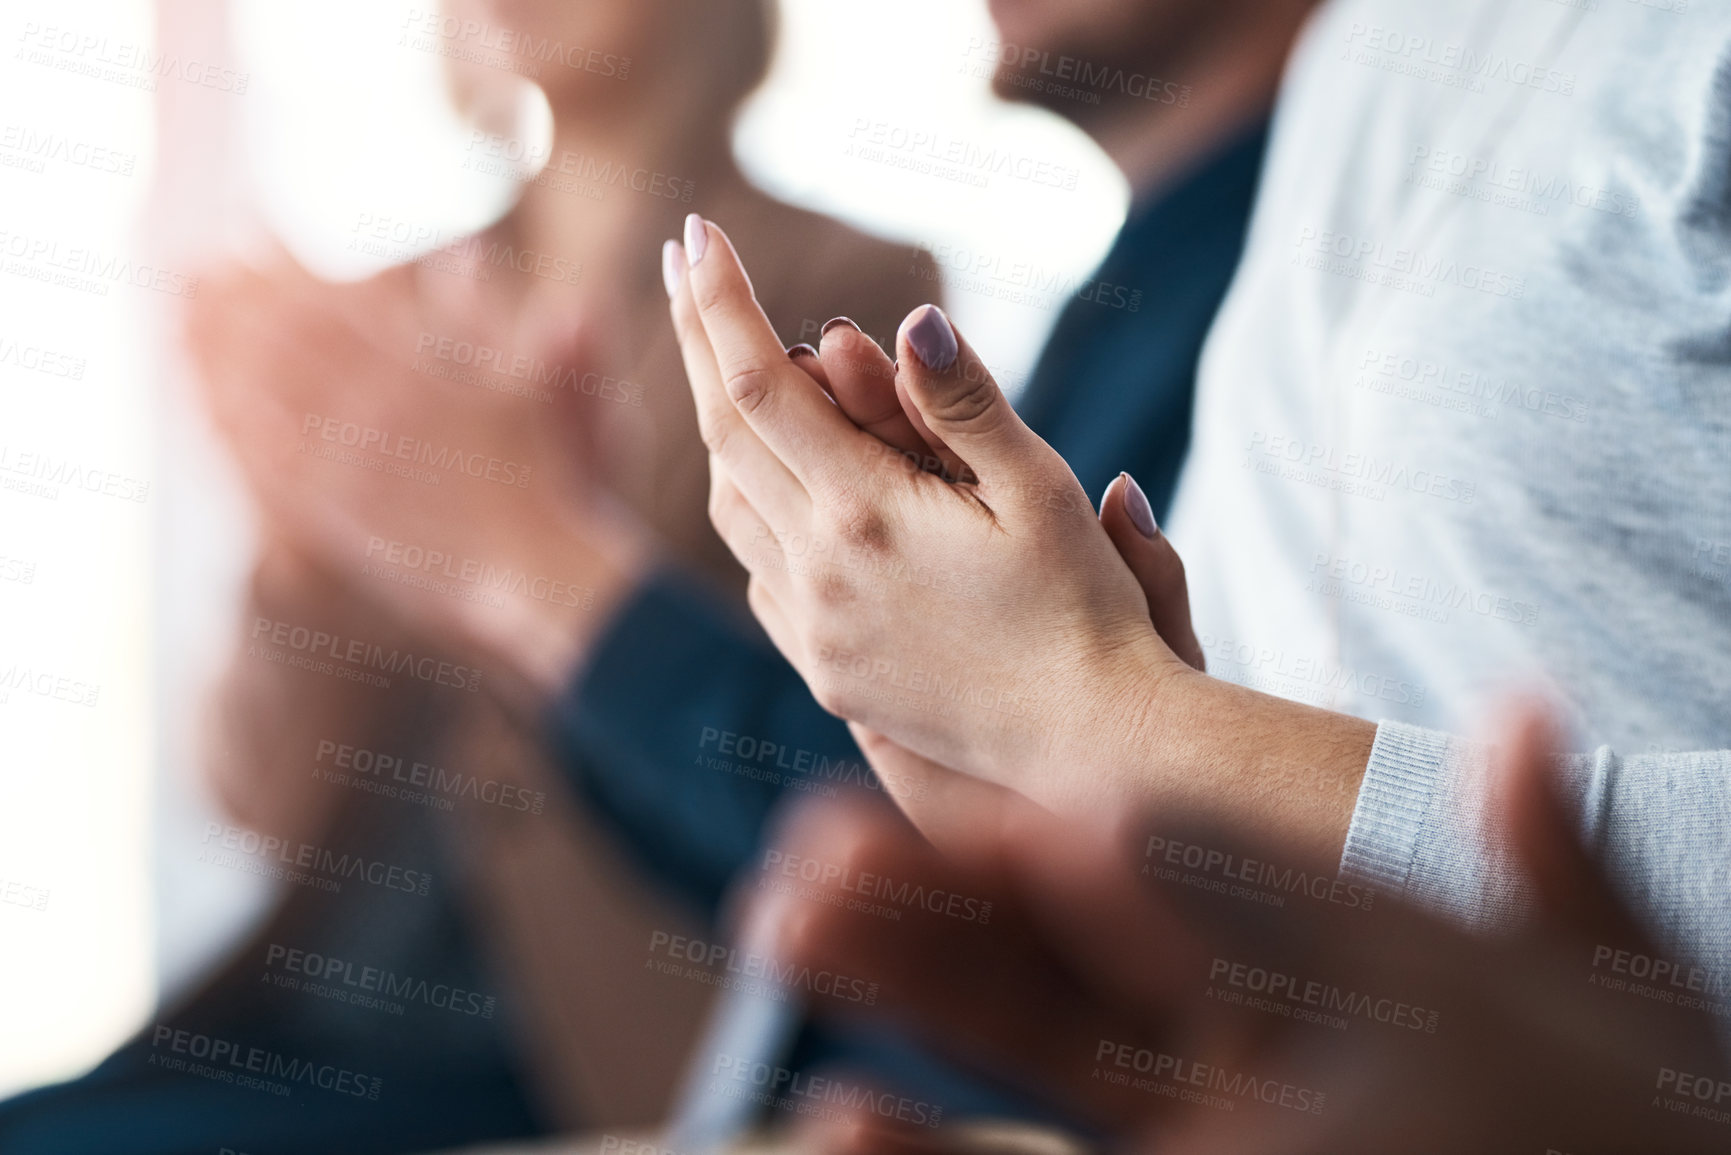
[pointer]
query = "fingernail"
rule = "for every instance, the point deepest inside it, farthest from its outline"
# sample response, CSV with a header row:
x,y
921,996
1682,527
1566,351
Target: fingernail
x,y
1136,505
931,337
696,238
672,266
834,321
801,350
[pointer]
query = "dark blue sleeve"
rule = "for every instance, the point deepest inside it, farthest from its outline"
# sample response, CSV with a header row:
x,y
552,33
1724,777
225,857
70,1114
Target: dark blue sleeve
x,y
685,729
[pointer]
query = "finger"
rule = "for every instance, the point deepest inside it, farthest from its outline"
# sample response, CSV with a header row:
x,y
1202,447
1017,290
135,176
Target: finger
x,y
947,974
733,444
774,620
953,467
959,402
863,383
739,525
806,358
1573,893
1129,522
948,807
781,405
855,1132
1079,888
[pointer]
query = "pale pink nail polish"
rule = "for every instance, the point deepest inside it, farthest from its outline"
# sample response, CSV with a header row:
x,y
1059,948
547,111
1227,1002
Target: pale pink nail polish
x,y
672,266
696,238
1136,505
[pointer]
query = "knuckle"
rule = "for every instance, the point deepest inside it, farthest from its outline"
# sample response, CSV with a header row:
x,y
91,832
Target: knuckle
x,y
721,500
751,384
973,400
861,526
715,431
830,695
832,590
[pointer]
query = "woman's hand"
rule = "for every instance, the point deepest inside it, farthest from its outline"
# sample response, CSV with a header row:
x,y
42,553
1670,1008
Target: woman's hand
x,y
988,624
982,618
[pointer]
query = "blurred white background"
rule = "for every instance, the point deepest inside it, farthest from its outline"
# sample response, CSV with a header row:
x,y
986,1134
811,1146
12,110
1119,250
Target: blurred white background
x,y
100,805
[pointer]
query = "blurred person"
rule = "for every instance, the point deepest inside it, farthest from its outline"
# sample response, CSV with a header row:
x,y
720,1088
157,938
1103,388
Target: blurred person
x,y
643,96
1160,1013
1342,504
670,667
650,674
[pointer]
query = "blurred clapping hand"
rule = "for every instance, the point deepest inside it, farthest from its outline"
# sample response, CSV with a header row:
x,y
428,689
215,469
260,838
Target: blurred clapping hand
x,y
1166,1015
433,492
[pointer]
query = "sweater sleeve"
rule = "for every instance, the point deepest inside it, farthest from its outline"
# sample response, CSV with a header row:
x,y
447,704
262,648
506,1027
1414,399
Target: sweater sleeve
x,y
1660,825
684,730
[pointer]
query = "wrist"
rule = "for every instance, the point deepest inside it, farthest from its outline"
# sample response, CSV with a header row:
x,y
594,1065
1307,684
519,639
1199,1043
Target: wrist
x,y
1130,726
575,584
1176,738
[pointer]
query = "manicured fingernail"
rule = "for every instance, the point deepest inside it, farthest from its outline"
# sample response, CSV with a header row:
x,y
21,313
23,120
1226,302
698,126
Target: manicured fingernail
x,y
1136,505
931,337
672,266
696,238
834,321
801,350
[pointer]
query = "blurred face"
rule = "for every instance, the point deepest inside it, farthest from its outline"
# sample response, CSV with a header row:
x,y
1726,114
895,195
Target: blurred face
x,y
578,51
1142,38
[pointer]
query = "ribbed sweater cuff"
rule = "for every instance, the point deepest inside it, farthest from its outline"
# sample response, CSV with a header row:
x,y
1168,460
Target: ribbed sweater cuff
x,y
1401,782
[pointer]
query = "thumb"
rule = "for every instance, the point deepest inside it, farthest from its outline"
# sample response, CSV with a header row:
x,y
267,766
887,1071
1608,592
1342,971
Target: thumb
x,y
1574,895
950,808
1129,522
958,402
